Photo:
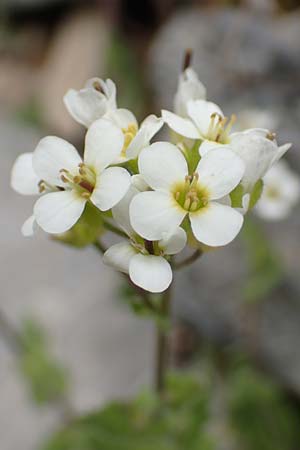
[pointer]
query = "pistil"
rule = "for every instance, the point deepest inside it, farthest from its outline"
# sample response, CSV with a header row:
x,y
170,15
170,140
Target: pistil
x,y
84,181
191,196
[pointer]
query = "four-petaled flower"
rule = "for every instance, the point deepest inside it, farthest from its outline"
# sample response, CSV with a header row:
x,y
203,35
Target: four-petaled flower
x,y
178,193
67,181
144,262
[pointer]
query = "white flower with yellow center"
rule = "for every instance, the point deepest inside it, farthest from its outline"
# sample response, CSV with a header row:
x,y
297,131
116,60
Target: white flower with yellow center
x,y
281,192
178,193
67,182
189,88
135,138
92,102
144,262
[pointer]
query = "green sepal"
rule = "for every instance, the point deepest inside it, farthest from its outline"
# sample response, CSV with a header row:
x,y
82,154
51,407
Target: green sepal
x,y
236,197
86,231
193,156
256,193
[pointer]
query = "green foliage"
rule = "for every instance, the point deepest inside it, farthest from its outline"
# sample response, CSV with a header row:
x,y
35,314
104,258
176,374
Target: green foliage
x,y
46,378
264,265
261,416
174,423
86,231
256,193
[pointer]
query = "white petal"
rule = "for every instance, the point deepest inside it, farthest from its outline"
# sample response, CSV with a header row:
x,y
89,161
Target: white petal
x,y
111,186
280,152
58,211
154,213
120,212
184,127
152,273
122,118
29,226
216,224
23,178
189,88
139,183
273,209
162,164
53,154
86,105
109,90
207,146
173,243
220,171
119,255
258,154
200,112
103,143
150,126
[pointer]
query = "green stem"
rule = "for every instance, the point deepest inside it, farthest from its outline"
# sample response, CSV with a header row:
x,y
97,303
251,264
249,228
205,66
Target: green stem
x,y
162,345
189,260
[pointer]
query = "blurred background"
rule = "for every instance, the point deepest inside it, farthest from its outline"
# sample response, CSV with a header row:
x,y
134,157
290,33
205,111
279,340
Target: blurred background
x,y
68,340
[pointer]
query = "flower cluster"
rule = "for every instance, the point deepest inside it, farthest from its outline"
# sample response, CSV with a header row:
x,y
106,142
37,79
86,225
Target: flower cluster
x,y
161,197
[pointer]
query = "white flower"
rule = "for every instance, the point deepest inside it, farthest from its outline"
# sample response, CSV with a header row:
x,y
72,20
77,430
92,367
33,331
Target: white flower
x,y
92,102
135,138
178,194
67,182
144,262
259,151
205,121
280,194
189,88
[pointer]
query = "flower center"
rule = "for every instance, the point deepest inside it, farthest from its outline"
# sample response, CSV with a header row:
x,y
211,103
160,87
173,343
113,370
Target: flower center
x,y
129,133
84,181
219,128
190,195
272,192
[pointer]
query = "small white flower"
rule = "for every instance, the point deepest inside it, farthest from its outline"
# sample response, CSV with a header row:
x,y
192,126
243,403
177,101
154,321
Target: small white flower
x,y
204,121
92,102
178,194
149,270
259,151
135,138
57,171
280,194
189,88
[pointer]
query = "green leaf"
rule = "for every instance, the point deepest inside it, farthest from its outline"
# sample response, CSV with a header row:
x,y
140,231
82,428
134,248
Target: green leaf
x,y
256,193
265,271
86,231
175,423
46,378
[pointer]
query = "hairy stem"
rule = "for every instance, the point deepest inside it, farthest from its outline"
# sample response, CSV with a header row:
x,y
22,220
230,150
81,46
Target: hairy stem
x,y
162,345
